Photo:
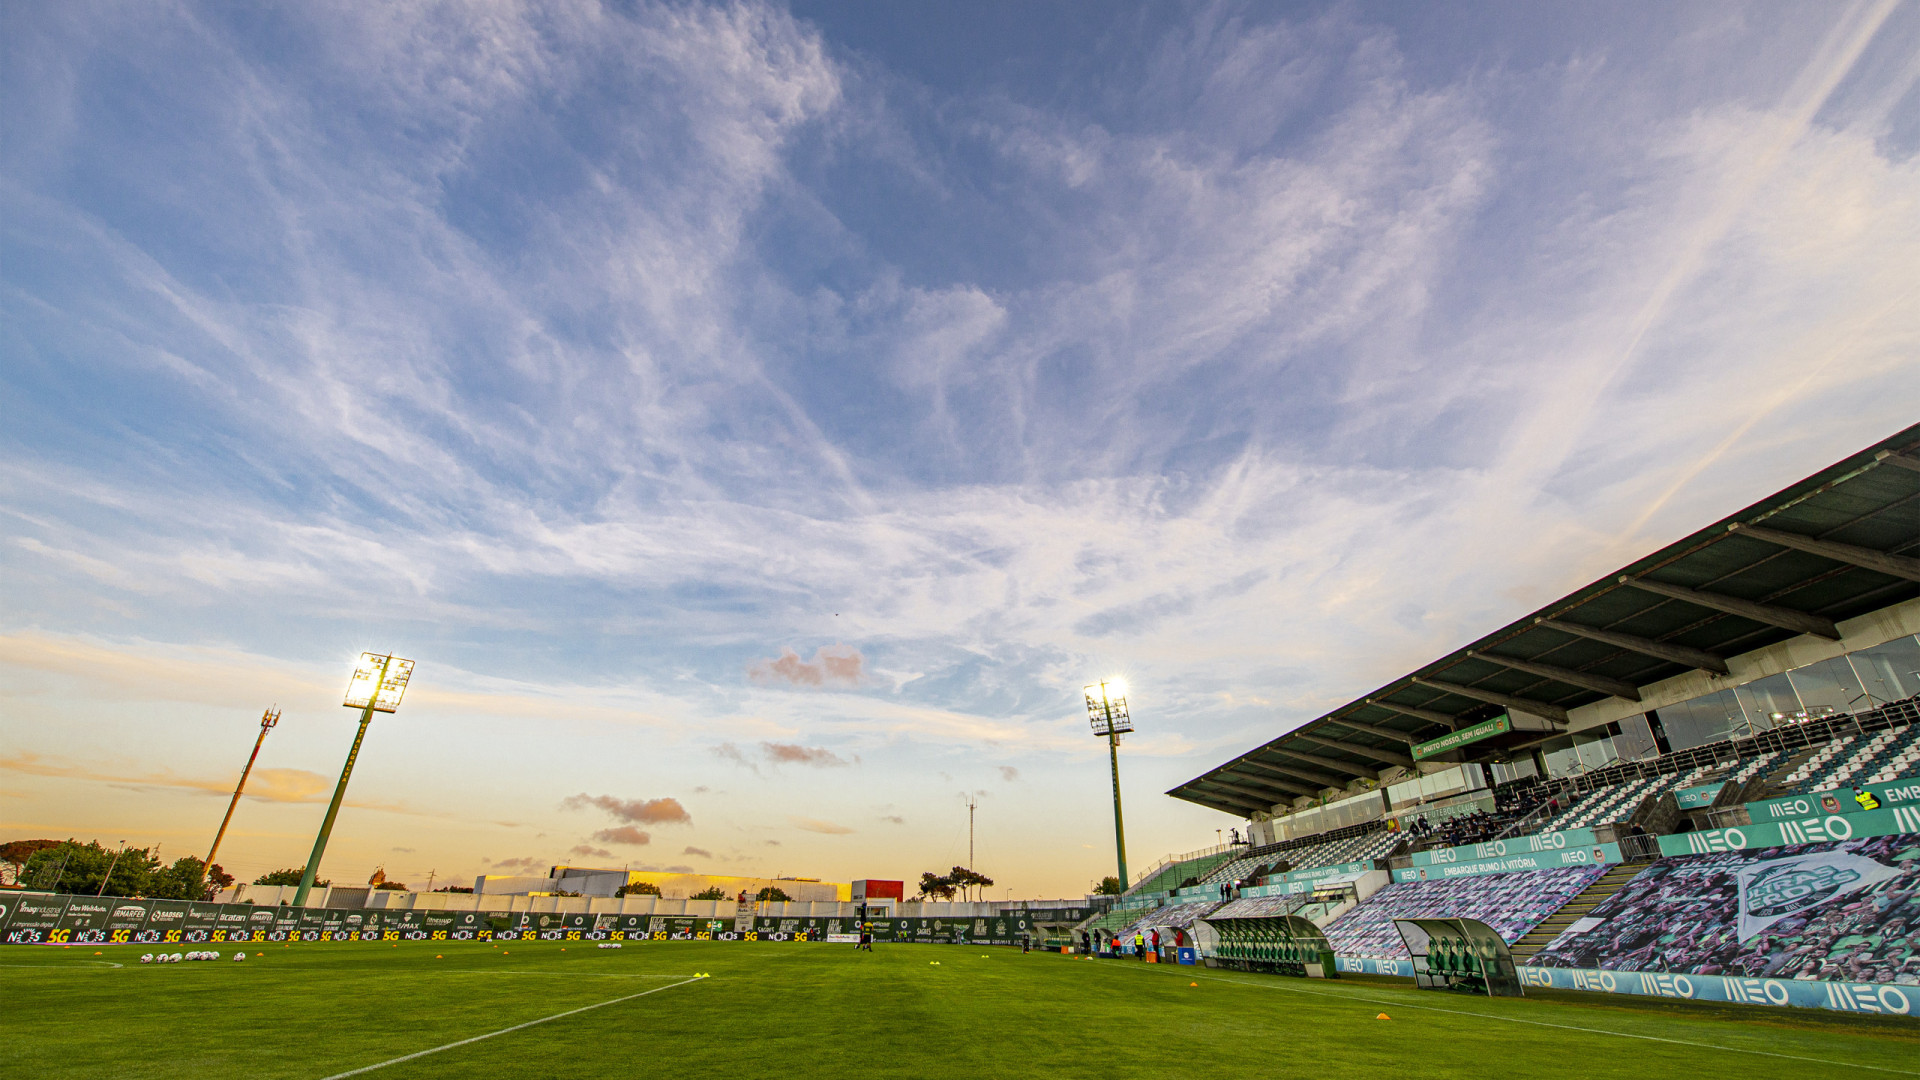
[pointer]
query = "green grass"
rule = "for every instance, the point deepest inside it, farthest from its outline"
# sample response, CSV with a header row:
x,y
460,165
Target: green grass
x,y
811,1010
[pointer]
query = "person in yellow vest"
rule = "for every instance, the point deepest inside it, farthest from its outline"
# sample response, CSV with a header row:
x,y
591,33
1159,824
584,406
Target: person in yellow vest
x,y
1139,944
1865,799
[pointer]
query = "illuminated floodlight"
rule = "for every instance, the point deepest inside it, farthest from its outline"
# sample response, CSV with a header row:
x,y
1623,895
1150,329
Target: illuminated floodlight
x,y
379,681
1107,708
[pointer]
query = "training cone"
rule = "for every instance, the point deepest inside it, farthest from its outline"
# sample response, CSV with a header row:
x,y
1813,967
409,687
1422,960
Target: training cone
x,y
1193,984
437,956
1383,1016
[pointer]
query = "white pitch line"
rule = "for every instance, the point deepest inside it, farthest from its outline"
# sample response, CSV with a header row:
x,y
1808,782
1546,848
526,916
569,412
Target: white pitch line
x,y
505,1030
1403,1004
566,974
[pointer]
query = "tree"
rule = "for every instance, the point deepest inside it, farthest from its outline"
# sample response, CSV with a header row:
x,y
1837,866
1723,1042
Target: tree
x,y
638,888
290,876
454,888
713,892
396,886
186,879
935,886
218,878
963,879
1109,886
73,867
14,855
772,894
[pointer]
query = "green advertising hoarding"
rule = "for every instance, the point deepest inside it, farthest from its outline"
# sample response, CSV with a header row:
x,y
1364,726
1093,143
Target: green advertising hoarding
x,y
1815,829
1693,798
1454,740
32,919
1904,792
85,920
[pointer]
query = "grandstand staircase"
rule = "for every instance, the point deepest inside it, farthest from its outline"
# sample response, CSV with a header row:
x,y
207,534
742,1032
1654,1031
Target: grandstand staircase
x,y
1584,902
1774,785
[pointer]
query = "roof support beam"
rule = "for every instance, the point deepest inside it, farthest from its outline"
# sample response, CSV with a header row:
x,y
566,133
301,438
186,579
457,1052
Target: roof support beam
x,y
1493,697
1599,684
1319,780
1429,715
1900,566
1263,777
1799,622
1374,752
1372,729
1888,457
1224,804
1679,654
1265,799
1336,764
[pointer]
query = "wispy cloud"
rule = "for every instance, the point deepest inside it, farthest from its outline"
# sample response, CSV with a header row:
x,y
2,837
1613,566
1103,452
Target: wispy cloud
x,y
664,811
814,825
623,834
1242,311
831,665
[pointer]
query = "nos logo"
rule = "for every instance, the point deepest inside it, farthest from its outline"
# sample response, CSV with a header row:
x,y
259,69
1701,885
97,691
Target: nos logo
x,y
1789,889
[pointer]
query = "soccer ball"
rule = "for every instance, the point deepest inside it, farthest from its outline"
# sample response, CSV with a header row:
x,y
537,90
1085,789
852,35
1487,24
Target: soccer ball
x,y
239,956
146,958
214,955
174,959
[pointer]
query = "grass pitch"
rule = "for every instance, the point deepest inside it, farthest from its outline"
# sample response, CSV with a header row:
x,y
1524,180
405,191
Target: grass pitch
x,y
465,1009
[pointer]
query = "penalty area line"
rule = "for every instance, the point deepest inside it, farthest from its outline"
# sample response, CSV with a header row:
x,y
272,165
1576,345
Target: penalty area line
x,y
505,1031
1398,1003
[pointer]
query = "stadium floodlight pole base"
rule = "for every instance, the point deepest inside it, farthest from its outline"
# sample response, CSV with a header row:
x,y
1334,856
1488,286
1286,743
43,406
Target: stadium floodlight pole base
x,y
339,793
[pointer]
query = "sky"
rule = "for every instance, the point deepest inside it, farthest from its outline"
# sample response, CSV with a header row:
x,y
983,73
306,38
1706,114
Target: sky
x,y
758,422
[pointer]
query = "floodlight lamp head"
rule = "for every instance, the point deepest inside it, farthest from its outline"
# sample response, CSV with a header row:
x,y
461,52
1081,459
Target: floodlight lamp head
x,y
1107,710
269,718
378,681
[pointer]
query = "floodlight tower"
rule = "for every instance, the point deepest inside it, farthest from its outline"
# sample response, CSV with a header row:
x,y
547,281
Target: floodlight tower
x,y
267,721
378,682
1107,712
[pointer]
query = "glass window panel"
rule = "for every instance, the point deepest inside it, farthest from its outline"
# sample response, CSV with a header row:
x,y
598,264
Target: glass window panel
x,y
1770,701
1889,672
1829,686
1596,751
1635,741
1560,756
1703,720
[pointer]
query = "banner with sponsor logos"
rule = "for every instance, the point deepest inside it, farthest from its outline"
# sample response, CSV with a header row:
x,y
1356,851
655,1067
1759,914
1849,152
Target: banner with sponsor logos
x,y
1453,740
1885,998
1537,860
37,918
1807,830
1302,881
1693,798
1367,965
1500,849
1885,796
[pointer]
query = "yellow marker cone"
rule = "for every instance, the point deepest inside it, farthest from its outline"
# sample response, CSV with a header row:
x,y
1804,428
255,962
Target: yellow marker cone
x,y
1193,984
437,956
1383,1016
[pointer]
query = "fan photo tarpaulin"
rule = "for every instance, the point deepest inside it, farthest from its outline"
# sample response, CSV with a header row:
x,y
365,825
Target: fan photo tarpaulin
x,y
1776,888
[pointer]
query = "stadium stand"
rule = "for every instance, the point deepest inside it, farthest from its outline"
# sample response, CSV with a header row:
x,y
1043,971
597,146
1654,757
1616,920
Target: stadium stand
x,y
1179,871
1886,755
1846,911
1371,841
1512,904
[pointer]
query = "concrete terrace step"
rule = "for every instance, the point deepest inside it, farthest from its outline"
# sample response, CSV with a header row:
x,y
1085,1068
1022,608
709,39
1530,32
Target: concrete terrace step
x,y
1578,907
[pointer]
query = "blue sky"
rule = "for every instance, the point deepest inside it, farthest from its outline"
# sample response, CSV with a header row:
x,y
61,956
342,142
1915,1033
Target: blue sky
x,y
784,410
